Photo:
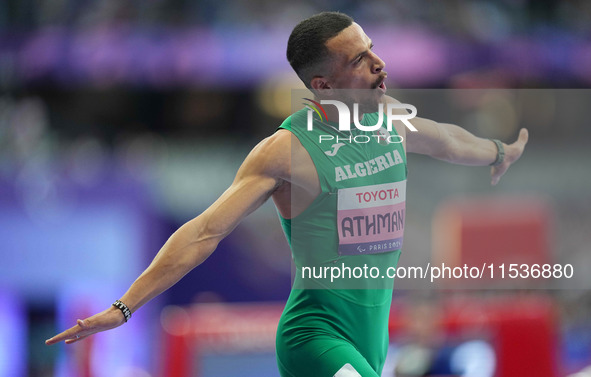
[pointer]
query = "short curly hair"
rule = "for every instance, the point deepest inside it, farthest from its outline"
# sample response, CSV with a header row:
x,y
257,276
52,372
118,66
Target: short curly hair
x,y
306,47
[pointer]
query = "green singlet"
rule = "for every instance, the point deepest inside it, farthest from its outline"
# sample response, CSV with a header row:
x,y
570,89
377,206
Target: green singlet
x,y
338,325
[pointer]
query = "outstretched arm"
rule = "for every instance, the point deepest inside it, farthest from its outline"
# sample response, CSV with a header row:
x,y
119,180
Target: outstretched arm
x,y
451,143
258,177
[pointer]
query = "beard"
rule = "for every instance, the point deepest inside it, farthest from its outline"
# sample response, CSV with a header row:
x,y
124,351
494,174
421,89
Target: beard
x,y
368,99
370,103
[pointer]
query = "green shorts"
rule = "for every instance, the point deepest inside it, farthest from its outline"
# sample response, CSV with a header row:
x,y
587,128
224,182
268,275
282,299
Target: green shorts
x,y
323,335
325,357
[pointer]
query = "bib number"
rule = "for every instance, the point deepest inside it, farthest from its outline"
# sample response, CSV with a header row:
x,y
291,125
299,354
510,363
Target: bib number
x,y
371,218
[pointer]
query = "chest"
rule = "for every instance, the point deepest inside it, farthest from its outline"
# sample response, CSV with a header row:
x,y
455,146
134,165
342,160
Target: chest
x,y
359,160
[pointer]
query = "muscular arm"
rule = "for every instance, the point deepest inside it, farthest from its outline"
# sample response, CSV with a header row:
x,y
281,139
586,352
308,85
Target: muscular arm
x,y
194,242
453,144
261,173
450,143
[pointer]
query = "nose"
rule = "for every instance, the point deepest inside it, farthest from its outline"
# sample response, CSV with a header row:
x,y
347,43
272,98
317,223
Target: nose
x,y
378,64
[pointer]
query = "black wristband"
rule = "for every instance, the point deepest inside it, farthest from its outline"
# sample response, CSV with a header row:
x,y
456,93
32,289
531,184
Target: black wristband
x,y
500,152
124,309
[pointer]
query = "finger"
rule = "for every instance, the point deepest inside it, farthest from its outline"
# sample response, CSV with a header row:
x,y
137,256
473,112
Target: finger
x,y
84,324
76,339
496,174
68,334
523,136
493,177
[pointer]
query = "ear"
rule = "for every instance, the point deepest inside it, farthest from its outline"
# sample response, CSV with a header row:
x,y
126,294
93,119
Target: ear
x,y
321,85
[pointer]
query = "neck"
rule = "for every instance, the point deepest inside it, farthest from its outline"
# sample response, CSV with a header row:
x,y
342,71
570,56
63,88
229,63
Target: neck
x,y
332,114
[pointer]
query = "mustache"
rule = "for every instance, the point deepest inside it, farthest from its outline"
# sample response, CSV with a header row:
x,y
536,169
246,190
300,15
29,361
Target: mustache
x,y
382,77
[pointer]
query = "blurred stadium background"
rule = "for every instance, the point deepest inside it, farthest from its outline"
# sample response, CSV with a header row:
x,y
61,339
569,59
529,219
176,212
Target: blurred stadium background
x,y
121,120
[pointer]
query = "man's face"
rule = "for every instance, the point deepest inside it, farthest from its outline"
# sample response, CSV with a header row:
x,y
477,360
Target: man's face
x,y
355,66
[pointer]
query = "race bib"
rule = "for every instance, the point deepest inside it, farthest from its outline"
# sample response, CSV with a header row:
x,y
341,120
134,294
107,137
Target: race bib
x,y
371,218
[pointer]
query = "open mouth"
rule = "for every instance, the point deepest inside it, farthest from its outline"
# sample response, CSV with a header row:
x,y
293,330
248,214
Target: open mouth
x,y
380,84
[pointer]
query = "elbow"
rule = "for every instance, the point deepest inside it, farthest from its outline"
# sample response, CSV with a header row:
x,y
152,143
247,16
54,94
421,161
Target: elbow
x,y
196,252
208,234
202,230
196,241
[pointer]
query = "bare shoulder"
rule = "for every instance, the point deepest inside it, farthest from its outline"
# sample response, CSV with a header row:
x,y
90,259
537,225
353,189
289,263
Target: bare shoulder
x,y
271,156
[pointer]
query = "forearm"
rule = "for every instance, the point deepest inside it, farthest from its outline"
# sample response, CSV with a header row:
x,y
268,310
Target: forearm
x,y
183,251
464,148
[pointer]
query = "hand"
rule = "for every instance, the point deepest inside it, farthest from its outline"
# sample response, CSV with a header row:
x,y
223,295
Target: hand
x,y
106,320
512,154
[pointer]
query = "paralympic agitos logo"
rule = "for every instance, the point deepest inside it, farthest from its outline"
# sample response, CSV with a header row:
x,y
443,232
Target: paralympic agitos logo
x,y
345,115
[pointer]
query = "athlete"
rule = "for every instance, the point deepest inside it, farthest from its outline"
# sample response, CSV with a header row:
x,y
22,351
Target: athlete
x,y
340,205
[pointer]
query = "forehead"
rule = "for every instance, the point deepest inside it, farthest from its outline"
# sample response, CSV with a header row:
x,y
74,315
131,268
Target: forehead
x,y
349,42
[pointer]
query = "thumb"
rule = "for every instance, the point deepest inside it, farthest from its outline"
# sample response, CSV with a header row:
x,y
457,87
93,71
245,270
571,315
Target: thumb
x,y
523,136
83,324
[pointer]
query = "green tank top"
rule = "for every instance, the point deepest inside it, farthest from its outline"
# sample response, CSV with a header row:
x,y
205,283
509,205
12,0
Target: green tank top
x,y
356,223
